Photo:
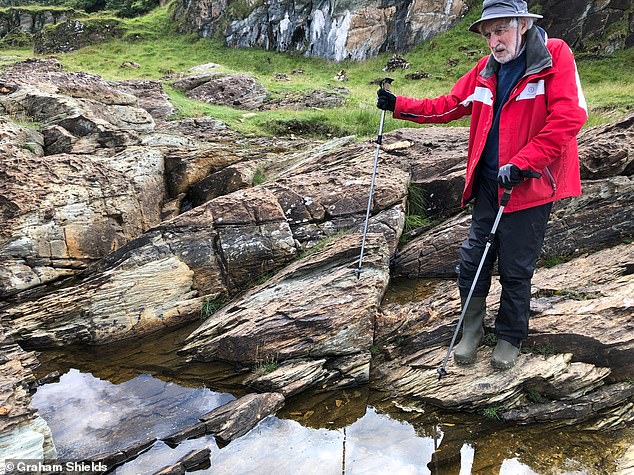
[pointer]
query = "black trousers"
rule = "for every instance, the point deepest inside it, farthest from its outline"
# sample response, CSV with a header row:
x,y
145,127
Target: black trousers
x,y
517,244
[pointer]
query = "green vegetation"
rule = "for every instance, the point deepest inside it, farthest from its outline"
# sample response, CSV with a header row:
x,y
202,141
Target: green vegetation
x,y
323,243
536,397
265,364
416,212
259,177
211,306
491,412
541,349
553,261
375,350
152,42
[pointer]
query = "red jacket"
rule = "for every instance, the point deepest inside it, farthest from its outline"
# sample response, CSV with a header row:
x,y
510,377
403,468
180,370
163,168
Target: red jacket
x,y
538,124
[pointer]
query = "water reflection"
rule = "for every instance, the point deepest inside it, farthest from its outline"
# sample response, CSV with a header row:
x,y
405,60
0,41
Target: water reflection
x,y
89,416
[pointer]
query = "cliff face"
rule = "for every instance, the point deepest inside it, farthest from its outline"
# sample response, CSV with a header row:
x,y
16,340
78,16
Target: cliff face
x,y
598,26
327,28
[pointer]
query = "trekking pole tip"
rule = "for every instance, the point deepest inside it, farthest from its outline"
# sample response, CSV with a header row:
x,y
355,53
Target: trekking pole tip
x,y
441,372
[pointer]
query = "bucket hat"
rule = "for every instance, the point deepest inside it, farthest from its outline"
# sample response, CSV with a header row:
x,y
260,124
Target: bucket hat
x,y
493,9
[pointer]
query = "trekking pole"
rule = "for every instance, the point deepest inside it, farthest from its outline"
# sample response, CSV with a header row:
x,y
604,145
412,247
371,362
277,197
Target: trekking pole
x,y
503,202
385,84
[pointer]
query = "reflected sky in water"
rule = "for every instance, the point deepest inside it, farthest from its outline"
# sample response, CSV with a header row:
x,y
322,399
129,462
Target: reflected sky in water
x,y
89,416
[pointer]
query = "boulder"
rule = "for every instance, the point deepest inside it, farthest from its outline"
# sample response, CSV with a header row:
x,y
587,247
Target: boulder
x,y
236,90
314,309
162,278
62,212
236,418
315,99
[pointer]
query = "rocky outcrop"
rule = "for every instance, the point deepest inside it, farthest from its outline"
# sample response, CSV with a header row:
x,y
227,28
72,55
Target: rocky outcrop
x,y
63,211
592,25
591,293
71,35
328,29
315,308
32,20
162,278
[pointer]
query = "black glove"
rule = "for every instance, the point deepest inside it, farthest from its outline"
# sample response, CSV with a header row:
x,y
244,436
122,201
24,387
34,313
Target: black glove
x,y
385,100
509,176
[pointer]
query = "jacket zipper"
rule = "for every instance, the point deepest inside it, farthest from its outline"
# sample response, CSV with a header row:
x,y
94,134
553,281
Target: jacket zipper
x,y
551,179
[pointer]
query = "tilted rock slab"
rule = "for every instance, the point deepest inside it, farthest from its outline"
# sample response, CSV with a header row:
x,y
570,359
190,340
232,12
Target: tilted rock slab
x,y
315,308
23,434
598,219
328,192
162,278
607,150
62,212
584,305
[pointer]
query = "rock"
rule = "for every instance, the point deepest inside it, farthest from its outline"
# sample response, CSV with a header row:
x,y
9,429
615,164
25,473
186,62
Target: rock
x,y
236,418
237,90
582,409
607,150
119,457
195,459
291,377
328,192
315,308
129,65
84,105
74,34
227,180
186,167
418,74
591,298
396,62
333,31
588,297
317,99
23,434
31,21
62,211
150,95
598,219
341,76
58,140
162,278
190,432
202,129
588,25
22,137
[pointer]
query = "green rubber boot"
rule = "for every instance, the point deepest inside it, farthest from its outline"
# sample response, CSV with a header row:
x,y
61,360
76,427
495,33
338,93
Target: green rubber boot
x,y
504,355
472,331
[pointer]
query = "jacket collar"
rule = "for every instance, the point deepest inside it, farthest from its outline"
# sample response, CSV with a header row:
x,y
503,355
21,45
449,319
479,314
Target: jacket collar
x,y
538,57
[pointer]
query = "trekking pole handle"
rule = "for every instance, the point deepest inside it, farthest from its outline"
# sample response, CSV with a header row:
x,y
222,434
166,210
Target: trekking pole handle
x,y
386,84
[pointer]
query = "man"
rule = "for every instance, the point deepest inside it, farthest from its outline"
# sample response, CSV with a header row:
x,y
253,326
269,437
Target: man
x,y
527,107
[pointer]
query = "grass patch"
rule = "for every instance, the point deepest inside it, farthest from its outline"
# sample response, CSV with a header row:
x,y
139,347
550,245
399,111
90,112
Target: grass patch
x,y
491,412
553,261
445,58
265,364
259,176
211,306
545,350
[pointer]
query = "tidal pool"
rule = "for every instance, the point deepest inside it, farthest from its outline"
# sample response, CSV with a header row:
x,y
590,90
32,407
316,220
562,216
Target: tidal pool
x,y
110,397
